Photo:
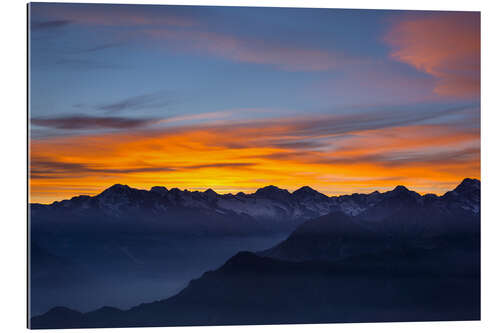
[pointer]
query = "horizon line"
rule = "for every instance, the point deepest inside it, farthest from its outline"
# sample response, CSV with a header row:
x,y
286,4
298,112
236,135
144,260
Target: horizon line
x,y
199,190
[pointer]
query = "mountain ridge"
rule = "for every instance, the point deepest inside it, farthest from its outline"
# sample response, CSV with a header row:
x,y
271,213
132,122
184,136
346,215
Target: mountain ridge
x,y
465,183
268,209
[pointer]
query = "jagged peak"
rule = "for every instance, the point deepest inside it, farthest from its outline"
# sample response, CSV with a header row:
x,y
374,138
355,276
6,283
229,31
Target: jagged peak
x,y
81,197
402,191
400,188
210,193
272,189
119,186
116,188
468,184
159,189
305,189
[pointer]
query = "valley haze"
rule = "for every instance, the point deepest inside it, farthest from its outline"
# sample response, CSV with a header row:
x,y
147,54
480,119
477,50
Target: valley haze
x,y
408,240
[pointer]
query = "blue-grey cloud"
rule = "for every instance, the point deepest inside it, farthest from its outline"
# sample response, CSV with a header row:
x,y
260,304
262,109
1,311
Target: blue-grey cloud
x,y
50,169
99,47
342,124
147,101
79,122
41,168
48,25
84,64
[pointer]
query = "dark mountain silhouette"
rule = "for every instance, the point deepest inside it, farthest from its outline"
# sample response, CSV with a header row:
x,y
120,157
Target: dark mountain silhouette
x,y
250,289
269,209
336,236
400,257
390,219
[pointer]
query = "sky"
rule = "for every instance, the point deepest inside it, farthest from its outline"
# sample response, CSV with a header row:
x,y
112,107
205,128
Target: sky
x,y
234,99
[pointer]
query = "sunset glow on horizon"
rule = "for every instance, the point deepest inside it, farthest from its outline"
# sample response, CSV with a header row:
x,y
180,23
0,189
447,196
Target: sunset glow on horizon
x,y
342,101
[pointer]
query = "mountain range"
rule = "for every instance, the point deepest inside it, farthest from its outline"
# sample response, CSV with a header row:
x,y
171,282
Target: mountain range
x,y
393,256
269,209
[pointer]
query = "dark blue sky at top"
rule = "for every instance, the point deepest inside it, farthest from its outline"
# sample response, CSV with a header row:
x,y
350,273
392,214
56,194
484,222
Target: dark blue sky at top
x,y
80,66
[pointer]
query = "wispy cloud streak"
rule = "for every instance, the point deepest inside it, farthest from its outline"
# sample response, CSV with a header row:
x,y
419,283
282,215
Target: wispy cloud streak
x,y
281,55
48,25
88,122
146,101
111,15
49,168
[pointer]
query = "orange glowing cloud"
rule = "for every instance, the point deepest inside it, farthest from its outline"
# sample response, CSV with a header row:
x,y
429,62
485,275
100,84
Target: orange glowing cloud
x,y
326,153
446,46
